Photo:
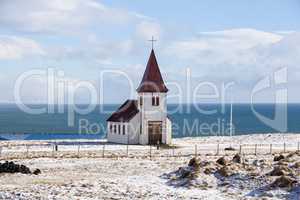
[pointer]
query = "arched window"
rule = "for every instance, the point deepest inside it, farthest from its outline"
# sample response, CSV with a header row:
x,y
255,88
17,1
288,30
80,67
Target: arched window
x,y
155,101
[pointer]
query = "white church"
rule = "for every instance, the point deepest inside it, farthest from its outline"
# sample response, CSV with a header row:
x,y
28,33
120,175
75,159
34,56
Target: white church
x,y
143,121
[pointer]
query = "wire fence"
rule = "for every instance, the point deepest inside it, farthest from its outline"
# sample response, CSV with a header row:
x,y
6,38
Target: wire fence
x,y
106,150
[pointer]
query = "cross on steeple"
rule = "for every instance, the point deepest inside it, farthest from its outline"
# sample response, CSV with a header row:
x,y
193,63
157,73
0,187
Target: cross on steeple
x,y
152,41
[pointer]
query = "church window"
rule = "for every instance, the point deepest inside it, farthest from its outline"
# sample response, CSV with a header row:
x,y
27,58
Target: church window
x,y
141,101
119,129
115,128
124,130
155,101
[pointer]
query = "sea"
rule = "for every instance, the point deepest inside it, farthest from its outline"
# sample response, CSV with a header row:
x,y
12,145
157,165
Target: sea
x,y
189,120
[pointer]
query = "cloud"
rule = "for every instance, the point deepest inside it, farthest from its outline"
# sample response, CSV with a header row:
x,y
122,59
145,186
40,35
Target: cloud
x,y
17,47
219,47
146,29
237,54
56,16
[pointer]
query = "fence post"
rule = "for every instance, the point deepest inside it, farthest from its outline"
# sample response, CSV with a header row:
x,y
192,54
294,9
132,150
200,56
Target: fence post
x,y
240,150
150,151
218,148
255,149
0,151
284,148
127,150
78,150
103,149
173,151
52,150
27,150
196,151
298,148
271,149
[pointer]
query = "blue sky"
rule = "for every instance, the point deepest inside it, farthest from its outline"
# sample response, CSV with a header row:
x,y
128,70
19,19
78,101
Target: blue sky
x,y
218,41
269,15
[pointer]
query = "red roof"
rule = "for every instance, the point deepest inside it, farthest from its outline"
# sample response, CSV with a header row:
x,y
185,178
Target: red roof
x,y
125,112
152,80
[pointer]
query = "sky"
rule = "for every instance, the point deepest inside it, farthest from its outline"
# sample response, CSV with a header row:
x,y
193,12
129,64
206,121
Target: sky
x,y
105,43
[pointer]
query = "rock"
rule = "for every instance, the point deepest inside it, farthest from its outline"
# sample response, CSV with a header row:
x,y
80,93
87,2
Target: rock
x,y
194,162
266,194
256,163
36,171
279,171
208,171
229,149
296,165
224,171
296,153
284,181
278,158
24,170
11,167
236,158
204,163
185,173
222,161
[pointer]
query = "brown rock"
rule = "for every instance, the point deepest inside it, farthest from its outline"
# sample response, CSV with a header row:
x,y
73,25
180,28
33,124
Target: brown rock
x,y
236,158
296,153
279,171
283,162
222,161
284,181
36,171
278,158
208,171
224,171
296,165
195,163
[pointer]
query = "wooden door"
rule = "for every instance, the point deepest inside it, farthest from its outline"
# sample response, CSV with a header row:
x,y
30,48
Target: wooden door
x,y
155,132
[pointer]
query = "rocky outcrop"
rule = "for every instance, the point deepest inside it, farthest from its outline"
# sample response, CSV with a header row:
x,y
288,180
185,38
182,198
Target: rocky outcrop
x,y
278,158
279,171
284,181
11,167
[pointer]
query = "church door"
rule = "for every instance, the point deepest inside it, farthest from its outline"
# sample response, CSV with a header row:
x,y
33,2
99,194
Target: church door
x,y
155,132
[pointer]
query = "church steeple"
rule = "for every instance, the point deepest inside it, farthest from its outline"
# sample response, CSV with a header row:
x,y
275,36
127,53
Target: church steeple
x,y
152,80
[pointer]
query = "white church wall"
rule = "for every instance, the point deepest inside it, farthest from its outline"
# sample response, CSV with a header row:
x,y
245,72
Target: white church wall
x,y
116,134
153,113
130,135
134,129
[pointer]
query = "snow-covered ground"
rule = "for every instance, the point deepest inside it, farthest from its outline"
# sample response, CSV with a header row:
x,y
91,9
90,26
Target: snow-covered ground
x,y
87,175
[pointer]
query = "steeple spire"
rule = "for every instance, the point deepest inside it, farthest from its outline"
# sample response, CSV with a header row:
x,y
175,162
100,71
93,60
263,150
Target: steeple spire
x,y
152,80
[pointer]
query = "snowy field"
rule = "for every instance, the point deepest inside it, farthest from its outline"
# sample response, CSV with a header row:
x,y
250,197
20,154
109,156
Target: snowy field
x,y
83,173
